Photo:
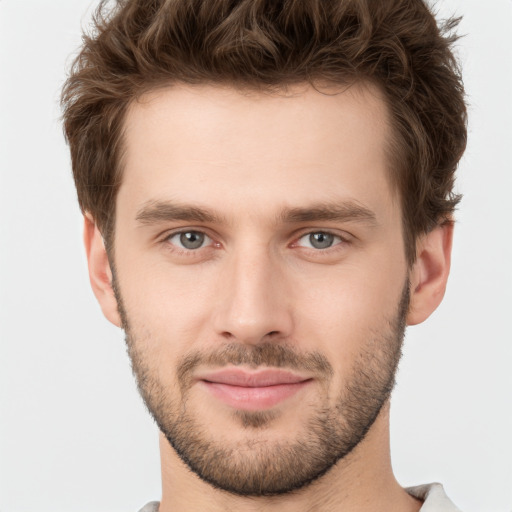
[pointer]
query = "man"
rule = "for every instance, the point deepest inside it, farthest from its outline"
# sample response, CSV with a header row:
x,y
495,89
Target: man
x,y
267,192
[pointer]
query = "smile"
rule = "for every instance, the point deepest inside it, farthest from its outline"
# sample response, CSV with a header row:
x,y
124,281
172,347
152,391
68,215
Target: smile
x,y
253,391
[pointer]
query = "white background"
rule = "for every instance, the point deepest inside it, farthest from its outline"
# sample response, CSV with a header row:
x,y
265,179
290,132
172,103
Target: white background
x,y
74,435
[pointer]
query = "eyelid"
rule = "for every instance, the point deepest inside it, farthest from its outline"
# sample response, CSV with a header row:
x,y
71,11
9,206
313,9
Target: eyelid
x,y
344,237
166,237
336,240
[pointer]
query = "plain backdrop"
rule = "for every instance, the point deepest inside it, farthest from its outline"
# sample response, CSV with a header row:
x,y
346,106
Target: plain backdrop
x,y
74,434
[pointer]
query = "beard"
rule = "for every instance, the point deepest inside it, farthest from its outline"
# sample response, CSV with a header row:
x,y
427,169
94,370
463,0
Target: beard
x,y
259,466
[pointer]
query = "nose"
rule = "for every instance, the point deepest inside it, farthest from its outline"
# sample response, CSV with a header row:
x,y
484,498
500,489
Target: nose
x,y
253,305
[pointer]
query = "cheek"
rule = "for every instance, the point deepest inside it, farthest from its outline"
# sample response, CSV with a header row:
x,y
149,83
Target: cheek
x,y
340,313
167,309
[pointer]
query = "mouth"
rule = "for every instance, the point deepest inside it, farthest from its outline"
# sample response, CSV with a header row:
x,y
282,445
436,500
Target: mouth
x,y
253,390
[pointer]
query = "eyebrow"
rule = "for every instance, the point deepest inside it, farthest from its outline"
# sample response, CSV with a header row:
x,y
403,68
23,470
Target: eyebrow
x,y
337,212
154,212
164,211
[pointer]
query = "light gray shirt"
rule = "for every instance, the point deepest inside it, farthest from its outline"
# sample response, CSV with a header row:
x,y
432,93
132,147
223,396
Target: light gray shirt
x,y
433,496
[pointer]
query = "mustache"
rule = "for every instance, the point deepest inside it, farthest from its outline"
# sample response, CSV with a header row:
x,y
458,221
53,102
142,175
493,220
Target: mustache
x,y
266,354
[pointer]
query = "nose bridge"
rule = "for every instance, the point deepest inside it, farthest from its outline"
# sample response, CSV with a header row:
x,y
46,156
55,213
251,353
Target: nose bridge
x,y
253,303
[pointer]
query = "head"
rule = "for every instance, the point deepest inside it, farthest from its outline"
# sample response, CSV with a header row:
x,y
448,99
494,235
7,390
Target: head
x,y
273,183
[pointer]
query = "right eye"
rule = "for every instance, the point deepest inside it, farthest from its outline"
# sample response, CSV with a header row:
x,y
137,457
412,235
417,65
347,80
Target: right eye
x,y
189,240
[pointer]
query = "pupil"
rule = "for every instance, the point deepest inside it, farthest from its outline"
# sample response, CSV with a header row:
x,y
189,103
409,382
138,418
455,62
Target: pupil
x,y
321,240
192,240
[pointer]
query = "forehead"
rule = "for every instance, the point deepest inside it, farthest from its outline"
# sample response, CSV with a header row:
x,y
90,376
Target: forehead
x,y
254,150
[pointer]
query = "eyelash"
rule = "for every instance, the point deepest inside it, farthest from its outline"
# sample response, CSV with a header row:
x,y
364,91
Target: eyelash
x,y
339,240
183,250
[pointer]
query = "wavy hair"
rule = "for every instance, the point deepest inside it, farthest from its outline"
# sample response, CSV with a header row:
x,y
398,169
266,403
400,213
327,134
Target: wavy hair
x,y
139,45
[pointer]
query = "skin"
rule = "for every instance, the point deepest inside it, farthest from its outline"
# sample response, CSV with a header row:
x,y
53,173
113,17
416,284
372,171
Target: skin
x,y
248,158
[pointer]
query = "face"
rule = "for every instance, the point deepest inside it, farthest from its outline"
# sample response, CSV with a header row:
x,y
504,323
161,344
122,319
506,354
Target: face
x,y
261,277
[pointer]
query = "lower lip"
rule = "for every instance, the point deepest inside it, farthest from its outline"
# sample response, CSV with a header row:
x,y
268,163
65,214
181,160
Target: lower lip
x,y
253,399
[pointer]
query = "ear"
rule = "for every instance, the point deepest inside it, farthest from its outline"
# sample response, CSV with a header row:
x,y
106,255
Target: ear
x,y
429,273
100,274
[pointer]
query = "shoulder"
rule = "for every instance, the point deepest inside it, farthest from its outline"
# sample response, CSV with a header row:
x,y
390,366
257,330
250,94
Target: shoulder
x,y
150,507
434,498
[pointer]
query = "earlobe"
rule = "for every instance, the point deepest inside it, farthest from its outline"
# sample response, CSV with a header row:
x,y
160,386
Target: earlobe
x,y
429,274
100,273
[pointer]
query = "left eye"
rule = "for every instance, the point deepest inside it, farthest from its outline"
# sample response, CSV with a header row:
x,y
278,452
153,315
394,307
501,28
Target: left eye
x,y
189,240
319,240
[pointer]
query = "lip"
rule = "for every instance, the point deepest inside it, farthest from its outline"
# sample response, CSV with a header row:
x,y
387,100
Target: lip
x,y
253,390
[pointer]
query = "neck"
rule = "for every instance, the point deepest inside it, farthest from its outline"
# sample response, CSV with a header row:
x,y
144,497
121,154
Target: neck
x,y
361,482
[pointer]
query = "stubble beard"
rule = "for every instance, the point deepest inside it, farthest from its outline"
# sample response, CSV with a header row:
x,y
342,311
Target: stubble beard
x,y
258,466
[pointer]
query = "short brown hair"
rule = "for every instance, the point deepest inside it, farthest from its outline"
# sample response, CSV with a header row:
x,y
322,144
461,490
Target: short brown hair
x,y
139,45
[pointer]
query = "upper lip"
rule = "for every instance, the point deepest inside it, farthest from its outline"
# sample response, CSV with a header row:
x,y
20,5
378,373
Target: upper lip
x,y
252,379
